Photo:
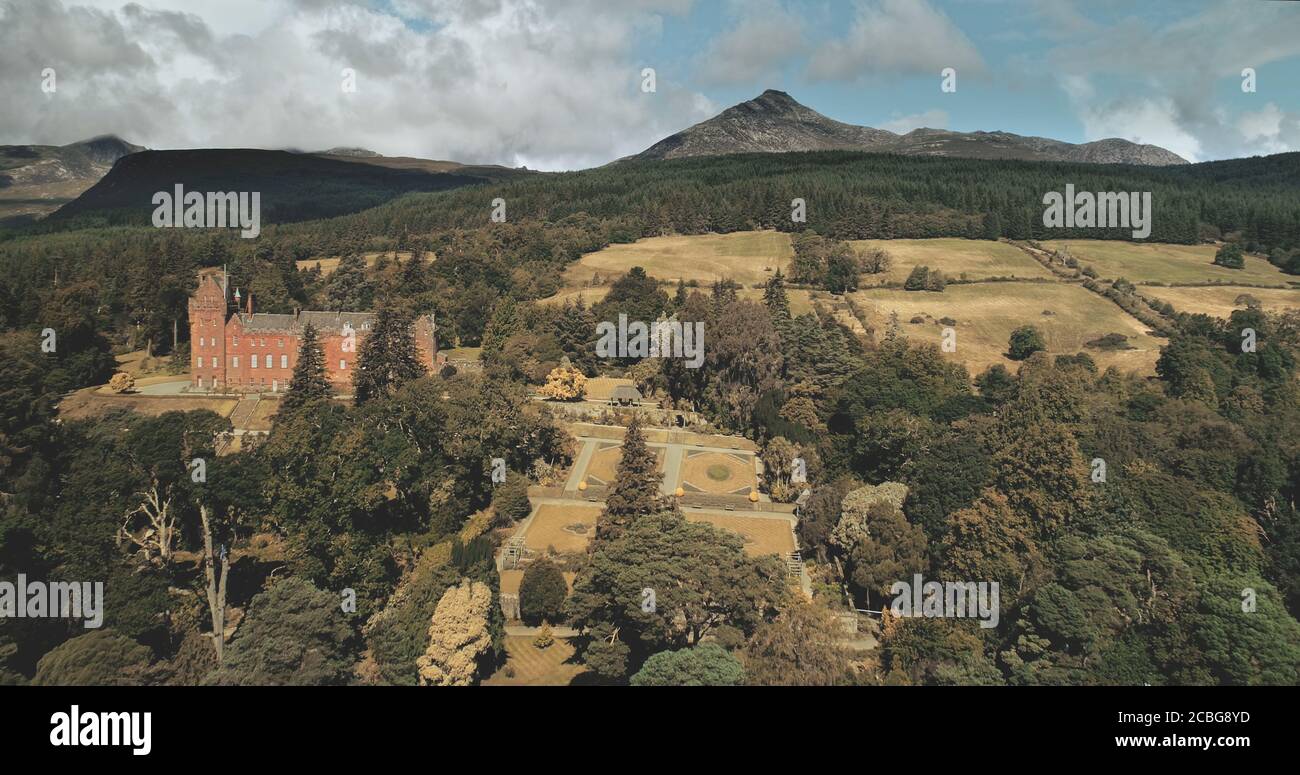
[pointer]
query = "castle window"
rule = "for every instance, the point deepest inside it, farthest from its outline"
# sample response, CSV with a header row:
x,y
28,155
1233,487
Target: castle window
x,y
234,362
284,361
268,364
252,359
280,343
235,343
261,343
343,365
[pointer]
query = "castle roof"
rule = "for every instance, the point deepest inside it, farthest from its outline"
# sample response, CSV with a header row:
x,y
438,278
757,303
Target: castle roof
x,y
324,322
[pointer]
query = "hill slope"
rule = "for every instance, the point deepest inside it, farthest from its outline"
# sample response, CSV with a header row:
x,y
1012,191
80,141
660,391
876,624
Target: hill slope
x,y
293,186
36,180
774,122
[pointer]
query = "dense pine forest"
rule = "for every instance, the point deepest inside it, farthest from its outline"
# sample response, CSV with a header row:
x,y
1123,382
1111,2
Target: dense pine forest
x,y
915,465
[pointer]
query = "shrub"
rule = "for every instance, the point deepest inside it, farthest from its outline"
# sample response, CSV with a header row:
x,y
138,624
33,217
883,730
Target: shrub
x,y
542,592
1024,342
1229,256
705,665
1110,342
918,279
121,382
545,639
99,658
510,499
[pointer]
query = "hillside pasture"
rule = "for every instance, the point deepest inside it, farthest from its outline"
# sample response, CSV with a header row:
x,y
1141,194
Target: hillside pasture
x,y
987,313
976,259
748,257
1220,300
1165,263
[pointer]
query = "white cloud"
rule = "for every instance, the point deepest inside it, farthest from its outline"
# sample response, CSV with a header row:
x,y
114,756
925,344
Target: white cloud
x,y
1153,121
1269,130
552,84
930,119
896,37
764,38
1156,82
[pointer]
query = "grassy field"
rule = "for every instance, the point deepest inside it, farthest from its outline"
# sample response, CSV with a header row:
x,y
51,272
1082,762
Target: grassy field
x,y
747,257
976,259
1164,263
987,313
1220,301
532,666
328,265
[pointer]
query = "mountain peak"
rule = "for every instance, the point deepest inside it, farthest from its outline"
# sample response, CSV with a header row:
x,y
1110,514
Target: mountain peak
x,y
775,122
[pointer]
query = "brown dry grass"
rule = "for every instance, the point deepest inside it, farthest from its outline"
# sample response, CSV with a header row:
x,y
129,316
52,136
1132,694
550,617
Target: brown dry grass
x,y
89,403
762,536
1220,301
987,313
536,667
604,463
977,259
547,528
695,471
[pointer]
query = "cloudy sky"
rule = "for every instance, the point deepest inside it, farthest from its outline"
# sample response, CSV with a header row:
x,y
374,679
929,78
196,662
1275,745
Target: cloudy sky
x,y
556,84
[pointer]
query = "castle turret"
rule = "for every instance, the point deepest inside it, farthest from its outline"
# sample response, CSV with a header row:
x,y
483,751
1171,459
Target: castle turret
x,y
207,310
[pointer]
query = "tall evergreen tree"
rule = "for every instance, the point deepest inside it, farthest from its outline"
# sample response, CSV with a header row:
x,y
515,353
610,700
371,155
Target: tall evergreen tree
x,y
349,288
504,323
774,297
575,328
309,383
388,357
636,486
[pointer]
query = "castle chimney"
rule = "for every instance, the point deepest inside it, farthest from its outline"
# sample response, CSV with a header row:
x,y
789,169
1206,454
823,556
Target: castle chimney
x,y
250,302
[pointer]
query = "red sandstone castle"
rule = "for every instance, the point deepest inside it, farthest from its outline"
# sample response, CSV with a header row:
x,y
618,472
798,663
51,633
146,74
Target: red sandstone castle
x,y
256,352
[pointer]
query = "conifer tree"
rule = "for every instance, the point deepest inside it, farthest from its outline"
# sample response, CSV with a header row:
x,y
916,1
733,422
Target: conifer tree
x,y
388,357
774,297
309,383
575,328
503,323
636,486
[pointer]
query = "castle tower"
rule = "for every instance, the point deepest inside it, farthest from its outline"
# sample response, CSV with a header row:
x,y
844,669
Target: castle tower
x,y
207,310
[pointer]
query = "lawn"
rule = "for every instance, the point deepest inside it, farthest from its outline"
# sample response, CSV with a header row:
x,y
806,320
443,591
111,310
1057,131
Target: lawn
x,y
564,528
531,666
987,313
1220,301
762,535
717,473
976,259
1164,263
